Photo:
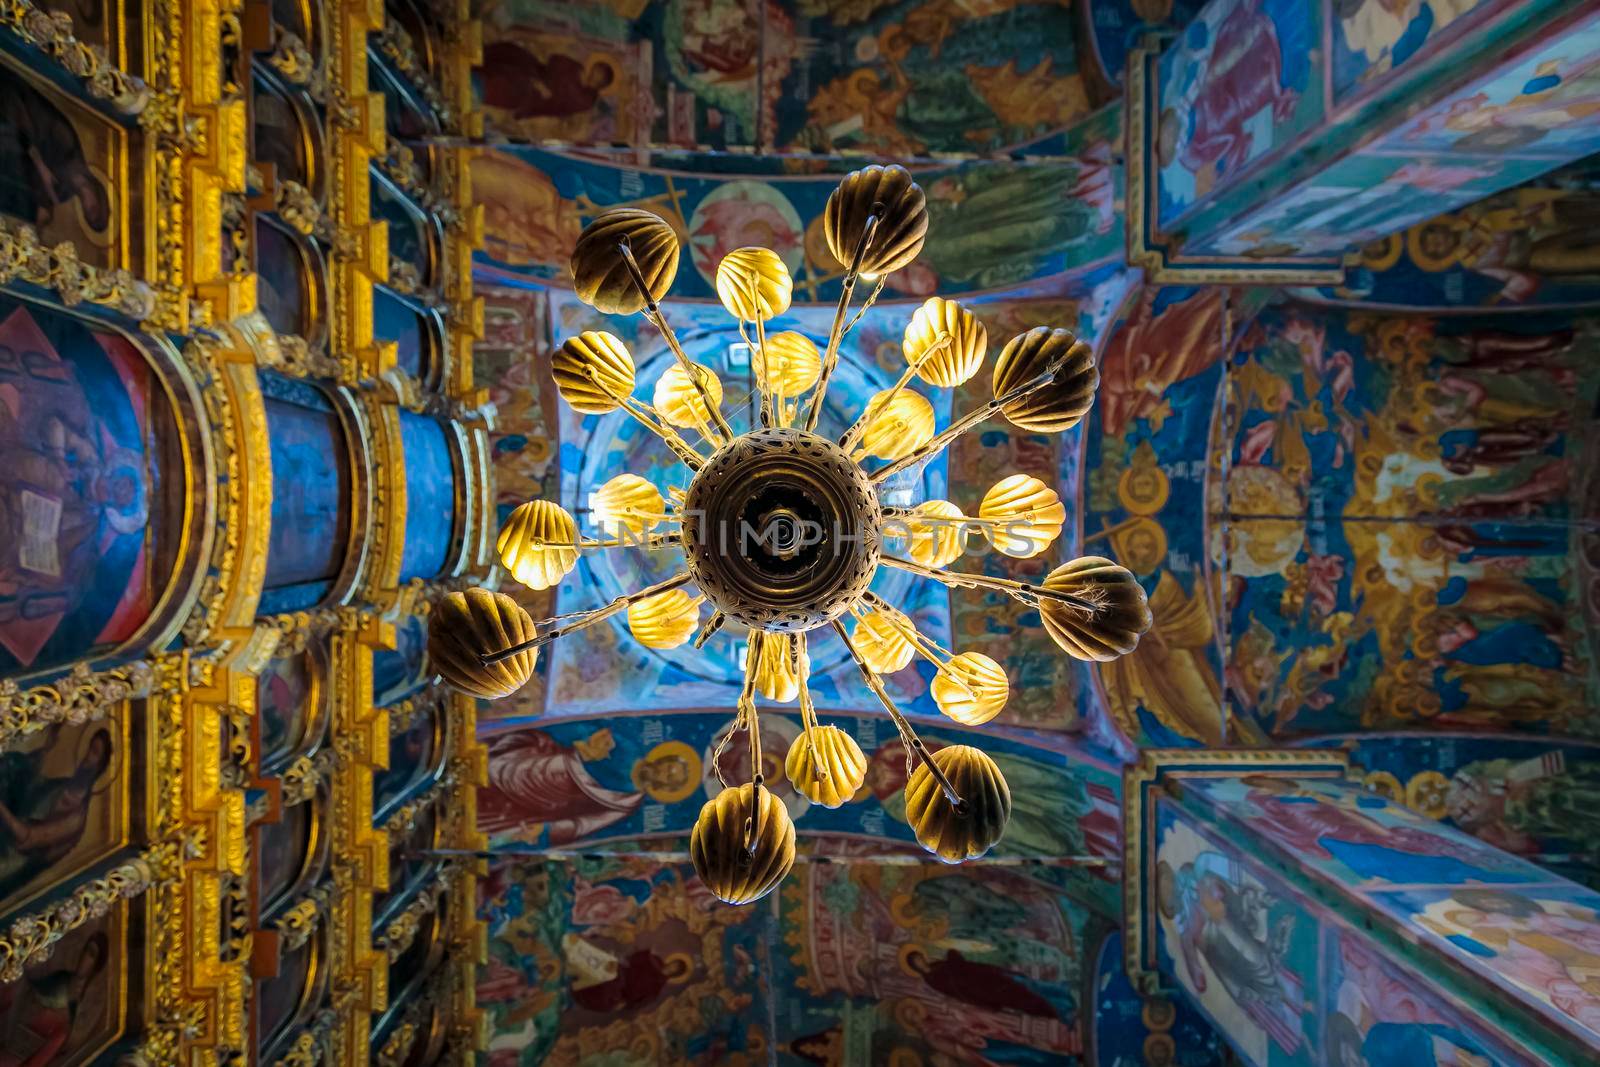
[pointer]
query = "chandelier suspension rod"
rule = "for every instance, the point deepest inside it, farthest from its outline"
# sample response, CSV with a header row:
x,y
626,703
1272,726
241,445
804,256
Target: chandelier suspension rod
x,y
582,620
859,427
1027,594
901,723
647,417
659,321
972,418
831,358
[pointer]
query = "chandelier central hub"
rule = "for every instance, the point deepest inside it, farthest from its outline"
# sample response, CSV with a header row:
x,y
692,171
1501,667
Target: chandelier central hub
x,y
781,530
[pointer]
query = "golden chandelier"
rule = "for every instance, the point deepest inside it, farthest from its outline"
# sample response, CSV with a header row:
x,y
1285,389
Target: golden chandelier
x,y
782,529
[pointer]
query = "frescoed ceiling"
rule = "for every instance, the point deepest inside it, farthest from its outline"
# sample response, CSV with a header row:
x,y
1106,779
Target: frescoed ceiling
x,y
1360,506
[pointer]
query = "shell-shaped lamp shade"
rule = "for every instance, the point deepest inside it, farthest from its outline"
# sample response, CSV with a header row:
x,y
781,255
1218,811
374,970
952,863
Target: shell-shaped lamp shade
x,y
976,694
775,676
828,768
593,354
936,320
473,623
736,874
903,218
932,544
626,503
600,276
1059,405
896,428
679,402
665,620
796,363
524,540
883,646
954,835
1120,614
1029,513
753,283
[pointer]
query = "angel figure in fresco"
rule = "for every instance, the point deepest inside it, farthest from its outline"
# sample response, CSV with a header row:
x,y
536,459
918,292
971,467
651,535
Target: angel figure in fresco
x,y
535,780
1227,925
40,1009
1243,77
42,818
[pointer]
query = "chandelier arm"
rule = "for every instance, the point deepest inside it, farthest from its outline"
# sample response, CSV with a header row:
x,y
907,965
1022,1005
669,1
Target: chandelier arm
x,y
709,628
859,427
972,418
761,379
648,418
872,298
652,312
901,723
581,620
924,647
831,358
752,724
1027,594
649,544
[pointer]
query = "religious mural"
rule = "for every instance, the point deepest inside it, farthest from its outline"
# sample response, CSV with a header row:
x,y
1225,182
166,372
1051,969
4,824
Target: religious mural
x,y
884,77
312,494
1529,246
1286,979
59,168
1399,491
1156,1030
993,225
1474,905
1530,797
579,780
91,498
1147,495
1237,86
852,962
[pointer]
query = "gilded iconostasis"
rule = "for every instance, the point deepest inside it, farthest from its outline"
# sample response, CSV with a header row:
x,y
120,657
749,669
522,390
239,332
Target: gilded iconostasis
x,y
243,455
279,285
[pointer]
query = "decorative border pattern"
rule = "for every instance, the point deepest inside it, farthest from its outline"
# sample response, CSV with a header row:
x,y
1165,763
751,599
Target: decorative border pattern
x,y
83,696
31,938
53,34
